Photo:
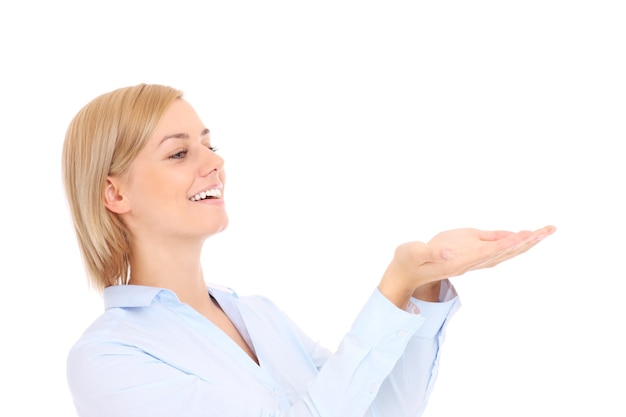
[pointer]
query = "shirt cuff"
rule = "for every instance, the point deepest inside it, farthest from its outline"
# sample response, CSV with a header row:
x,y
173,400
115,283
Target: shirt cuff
x,y
435,314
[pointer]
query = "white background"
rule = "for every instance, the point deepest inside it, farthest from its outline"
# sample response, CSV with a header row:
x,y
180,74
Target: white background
x,y
348,128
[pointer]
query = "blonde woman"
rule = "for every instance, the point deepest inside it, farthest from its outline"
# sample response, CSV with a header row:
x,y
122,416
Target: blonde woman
x,y
146,189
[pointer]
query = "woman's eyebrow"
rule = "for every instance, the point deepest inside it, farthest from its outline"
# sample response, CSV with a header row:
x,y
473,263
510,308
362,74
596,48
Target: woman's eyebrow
x,y
182,136
174,136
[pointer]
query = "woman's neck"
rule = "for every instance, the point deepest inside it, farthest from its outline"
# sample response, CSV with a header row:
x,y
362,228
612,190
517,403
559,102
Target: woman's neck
x,y
176,267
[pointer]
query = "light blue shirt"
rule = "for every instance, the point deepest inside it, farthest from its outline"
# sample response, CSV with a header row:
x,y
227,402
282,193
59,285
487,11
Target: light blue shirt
x,y
149,355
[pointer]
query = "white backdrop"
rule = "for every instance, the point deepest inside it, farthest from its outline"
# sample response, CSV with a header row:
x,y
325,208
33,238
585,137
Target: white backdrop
x,y
348,128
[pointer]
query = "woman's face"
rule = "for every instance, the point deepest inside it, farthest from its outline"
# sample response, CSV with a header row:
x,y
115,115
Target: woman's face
x,y
175,186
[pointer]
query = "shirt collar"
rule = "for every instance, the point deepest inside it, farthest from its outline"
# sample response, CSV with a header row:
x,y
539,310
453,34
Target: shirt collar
x,y
132,296
142,296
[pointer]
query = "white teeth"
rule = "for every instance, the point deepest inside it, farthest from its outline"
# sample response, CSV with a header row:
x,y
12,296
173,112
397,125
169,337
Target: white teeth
x,y
213,192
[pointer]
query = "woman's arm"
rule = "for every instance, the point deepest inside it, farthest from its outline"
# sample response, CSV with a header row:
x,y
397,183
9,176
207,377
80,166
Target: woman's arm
x,y
407,389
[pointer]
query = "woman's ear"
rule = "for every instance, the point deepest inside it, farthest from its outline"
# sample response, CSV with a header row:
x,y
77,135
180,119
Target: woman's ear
x,y
114,200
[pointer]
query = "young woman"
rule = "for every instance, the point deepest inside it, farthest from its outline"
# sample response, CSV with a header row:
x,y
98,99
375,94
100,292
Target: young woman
x,y
146,189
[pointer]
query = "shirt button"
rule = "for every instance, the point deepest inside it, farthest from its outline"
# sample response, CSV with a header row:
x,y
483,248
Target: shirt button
x,y
373,388
402,333
277,393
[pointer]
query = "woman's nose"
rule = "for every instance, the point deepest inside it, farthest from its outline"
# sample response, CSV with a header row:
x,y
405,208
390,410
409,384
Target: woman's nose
x,y
210,161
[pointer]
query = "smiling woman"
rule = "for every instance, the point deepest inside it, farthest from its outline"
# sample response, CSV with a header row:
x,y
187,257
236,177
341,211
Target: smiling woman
x,y
146,189
166,180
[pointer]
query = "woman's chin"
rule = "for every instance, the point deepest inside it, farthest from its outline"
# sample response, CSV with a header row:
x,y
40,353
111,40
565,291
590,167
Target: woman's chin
x,y
218,228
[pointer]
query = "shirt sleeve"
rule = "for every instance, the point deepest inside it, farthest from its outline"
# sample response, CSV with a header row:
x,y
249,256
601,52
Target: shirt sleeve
x,y
385,366
405,392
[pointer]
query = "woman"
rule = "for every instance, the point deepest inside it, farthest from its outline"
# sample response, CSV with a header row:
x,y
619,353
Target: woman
x,y
145,189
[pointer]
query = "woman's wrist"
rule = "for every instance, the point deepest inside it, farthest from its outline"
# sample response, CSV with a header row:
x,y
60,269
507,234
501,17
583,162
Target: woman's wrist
x,y
395,288
428,292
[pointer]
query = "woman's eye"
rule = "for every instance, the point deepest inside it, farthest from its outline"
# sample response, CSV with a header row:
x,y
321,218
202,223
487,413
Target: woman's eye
x,y
179,155
209,147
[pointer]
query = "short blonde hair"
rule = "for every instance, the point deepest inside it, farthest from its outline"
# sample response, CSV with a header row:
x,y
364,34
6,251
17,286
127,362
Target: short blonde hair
x,y
102,140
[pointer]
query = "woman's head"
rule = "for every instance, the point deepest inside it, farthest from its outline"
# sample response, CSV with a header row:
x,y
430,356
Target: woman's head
x,y
101,141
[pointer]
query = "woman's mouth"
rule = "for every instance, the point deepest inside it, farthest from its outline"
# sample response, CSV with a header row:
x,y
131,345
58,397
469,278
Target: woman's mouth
x,y
211,193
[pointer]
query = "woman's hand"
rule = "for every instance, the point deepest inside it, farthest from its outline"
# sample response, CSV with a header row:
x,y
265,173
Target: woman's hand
x,y
452,253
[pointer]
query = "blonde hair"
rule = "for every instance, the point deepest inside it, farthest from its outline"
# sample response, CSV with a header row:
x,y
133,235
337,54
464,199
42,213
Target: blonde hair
x,y
102,140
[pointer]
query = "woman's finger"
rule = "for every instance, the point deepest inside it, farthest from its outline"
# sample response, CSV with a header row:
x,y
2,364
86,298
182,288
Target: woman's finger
x,y
492,235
